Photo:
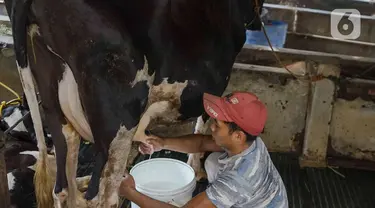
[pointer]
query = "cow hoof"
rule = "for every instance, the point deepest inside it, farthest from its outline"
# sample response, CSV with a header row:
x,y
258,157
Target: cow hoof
x,y
60,198
81,202
83,183
93,202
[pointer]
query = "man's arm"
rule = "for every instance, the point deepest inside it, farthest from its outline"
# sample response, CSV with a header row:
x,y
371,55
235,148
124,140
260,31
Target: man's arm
x,y
193,143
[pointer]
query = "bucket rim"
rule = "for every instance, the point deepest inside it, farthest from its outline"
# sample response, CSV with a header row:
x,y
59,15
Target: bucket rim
x,y
172,192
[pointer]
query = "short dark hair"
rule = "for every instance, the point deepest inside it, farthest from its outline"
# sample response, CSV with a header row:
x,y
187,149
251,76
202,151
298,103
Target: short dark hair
x,y
234,127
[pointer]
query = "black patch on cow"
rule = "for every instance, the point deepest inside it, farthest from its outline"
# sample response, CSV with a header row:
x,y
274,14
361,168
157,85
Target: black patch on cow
x,y
23,193
251,18
95,177
19,18
15,160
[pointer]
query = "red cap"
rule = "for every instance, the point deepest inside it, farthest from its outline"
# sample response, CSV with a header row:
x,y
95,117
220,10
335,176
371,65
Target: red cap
x,y
242,108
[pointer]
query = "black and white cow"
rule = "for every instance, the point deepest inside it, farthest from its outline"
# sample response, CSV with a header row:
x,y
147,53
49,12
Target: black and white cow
x,y
107,70
21,153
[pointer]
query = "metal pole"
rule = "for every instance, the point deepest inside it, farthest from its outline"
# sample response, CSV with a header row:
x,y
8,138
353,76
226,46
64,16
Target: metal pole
x,y
4,191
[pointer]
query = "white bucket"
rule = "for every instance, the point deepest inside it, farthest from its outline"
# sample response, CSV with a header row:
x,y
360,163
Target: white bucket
x,y
164,179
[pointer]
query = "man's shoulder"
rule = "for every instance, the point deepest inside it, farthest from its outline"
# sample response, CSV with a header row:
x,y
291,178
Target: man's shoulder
x,y
257,159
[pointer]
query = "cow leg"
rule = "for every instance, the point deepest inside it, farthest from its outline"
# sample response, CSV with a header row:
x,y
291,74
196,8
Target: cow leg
x,y
113,171
93,187
48,80
72,141
42,172
194,159
115,167
60,192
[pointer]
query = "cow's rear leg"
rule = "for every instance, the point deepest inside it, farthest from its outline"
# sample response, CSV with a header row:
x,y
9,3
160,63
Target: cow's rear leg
x,y
60,191
72,140
54,119
43,180
194,159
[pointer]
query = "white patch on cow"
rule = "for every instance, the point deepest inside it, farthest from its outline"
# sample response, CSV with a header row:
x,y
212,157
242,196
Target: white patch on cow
x,y
50,159
166,90
29,90
115,167
142,75
31,167
71,104
72,141
163,103
194,159
199,126
13,118
35,154
11,181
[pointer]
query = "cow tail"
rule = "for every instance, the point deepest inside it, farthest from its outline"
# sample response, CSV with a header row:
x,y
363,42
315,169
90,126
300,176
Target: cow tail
x,y
43,180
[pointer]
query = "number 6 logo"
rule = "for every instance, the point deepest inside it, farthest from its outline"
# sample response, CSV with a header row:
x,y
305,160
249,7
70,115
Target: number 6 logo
x,y
345,24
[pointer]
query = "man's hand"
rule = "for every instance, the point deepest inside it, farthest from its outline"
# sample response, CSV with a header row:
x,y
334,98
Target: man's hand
x,y
154,144
127,185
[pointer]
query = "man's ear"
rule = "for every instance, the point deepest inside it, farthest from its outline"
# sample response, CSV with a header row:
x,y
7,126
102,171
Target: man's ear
x,y
239,136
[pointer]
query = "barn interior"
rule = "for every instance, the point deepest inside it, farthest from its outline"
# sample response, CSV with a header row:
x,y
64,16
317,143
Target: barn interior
x,y
321,126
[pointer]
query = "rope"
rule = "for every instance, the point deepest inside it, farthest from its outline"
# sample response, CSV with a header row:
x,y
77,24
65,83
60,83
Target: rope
x,y
17,100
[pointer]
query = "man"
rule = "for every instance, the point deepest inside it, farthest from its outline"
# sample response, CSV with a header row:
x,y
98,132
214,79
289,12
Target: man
x,y
241,176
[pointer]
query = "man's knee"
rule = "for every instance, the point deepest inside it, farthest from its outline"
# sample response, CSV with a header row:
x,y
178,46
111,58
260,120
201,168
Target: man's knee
x,y
211,165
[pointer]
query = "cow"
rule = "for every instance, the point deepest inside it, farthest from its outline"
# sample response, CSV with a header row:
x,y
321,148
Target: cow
x,y
20,153
20,173
20,167
109,70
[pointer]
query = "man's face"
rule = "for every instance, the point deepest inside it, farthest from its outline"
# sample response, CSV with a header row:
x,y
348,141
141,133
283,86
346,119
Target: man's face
x,y
220,133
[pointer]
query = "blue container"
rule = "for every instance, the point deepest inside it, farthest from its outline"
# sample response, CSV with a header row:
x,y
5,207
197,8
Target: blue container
x,y
276,31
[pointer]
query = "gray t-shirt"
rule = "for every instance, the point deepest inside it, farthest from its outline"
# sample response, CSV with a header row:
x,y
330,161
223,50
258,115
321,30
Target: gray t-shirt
x,y
248,179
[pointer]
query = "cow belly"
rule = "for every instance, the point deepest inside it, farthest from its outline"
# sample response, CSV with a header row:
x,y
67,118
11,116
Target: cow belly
x,y
71,105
